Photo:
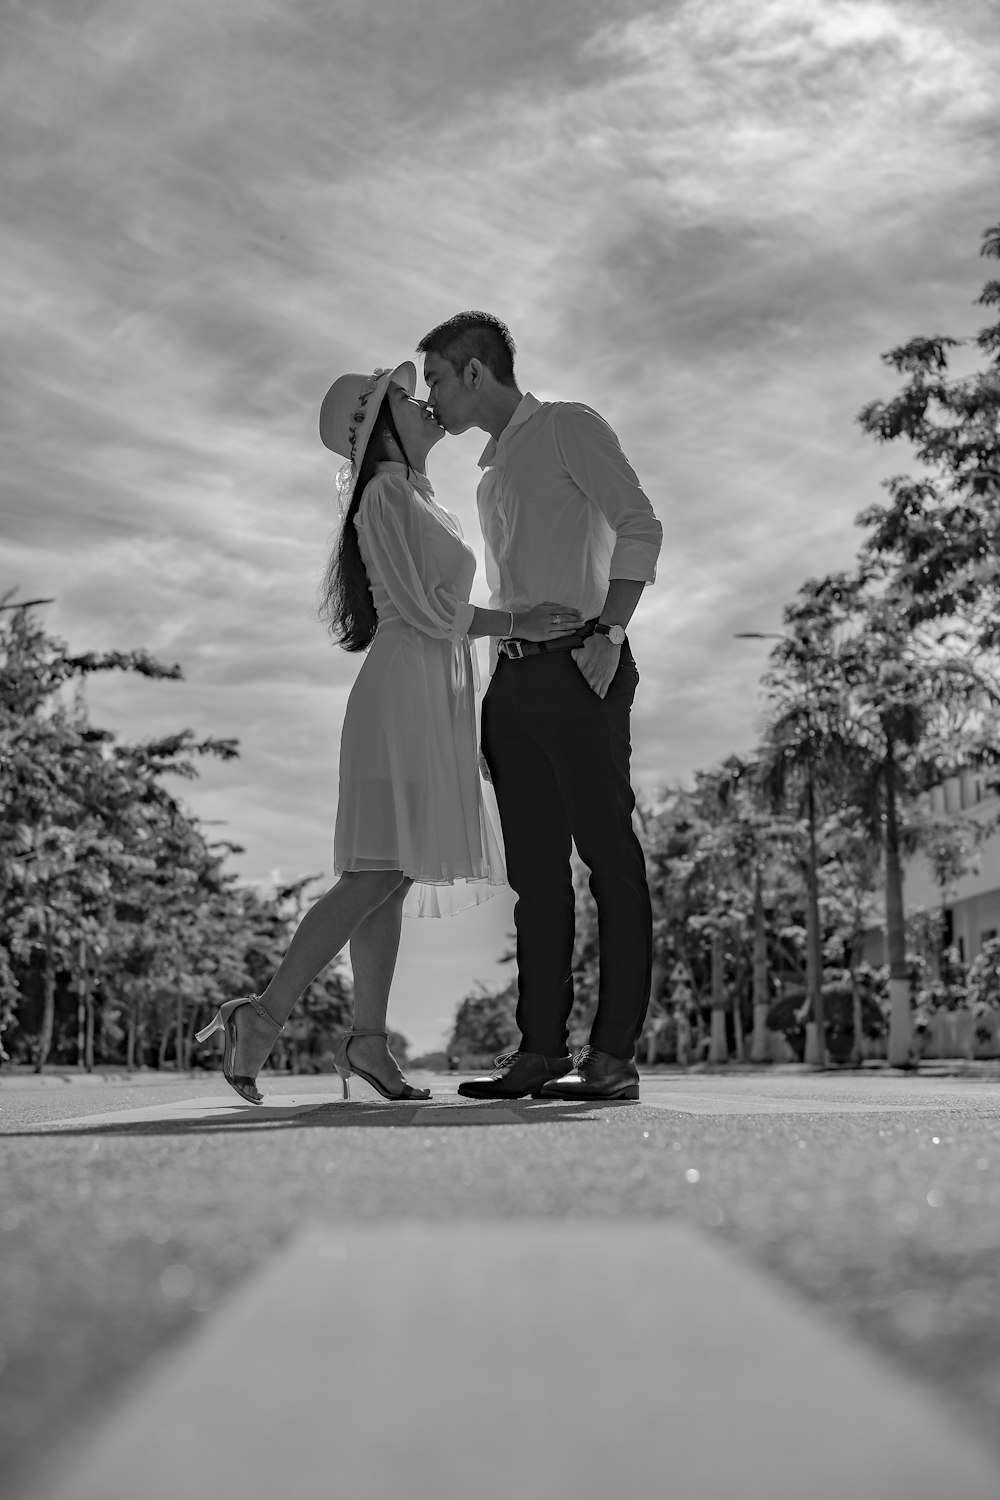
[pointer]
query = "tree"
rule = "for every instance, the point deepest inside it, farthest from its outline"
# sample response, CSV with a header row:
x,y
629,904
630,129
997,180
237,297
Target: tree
x,y
117,911
749,839
679,861
671,830
56,840
894,708
849,875
801,759
937,539
484,1022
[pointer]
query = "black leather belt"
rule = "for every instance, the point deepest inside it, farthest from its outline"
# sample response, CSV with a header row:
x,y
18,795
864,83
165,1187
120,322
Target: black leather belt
x,y
515,650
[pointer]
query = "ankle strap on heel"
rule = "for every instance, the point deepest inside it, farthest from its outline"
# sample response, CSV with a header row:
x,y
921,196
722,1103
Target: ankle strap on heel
x,y
364,1032
263,1012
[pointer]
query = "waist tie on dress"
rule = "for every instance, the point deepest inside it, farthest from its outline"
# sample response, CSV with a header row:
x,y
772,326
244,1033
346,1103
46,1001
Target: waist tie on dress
x,y
464,667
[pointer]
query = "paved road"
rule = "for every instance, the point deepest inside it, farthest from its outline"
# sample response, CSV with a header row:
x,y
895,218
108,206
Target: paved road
x,y
710,1242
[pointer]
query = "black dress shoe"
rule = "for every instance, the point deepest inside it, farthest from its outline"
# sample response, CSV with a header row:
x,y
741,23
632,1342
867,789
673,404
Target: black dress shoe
x,y
597,1076
516,1074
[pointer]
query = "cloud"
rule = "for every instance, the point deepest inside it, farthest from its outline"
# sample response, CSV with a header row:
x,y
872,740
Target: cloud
x,y
706,219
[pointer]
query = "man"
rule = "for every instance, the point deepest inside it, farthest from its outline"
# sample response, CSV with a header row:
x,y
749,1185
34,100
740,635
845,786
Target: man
x,y
563,517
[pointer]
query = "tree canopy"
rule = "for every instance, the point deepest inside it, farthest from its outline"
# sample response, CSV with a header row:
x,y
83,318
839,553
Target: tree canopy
x,y
121,924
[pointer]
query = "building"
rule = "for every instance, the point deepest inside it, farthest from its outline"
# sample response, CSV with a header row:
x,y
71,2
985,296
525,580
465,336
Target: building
x,y
971,904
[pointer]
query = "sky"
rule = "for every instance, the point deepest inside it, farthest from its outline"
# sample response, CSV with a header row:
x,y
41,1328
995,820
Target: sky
x,y
705,218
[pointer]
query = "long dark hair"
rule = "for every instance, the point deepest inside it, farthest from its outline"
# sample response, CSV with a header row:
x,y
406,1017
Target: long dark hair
x,y
346,602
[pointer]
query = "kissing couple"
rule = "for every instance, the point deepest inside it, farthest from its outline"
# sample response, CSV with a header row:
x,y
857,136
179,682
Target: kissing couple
x,y
564,519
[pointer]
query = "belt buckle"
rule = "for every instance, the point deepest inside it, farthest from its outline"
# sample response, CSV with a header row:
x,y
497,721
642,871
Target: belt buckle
x,y
513,650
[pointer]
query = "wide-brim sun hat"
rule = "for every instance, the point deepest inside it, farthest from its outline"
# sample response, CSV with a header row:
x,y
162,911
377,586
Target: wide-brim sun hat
x,y
347,415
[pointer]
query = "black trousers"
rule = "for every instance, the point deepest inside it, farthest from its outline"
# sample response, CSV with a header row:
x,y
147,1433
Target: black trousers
x,y
559,758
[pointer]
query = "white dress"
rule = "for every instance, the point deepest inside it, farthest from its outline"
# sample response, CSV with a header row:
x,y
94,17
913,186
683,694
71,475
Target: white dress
x,y
411,797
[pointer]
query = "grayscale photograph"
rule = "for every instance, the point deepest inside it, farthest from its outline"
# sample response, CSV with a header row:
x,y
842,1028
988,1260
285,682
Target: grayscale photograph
x,y
500,749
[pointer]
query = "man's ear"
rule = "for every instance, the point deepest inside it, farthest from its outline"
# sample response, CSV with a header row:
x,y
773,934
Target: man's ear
x,y
473,374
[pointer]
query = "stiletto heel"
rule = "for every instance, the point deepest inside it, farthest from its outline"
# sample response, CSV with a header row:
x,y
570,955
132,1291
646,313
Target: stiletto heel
x,y
224,1020
345,1068
215,1024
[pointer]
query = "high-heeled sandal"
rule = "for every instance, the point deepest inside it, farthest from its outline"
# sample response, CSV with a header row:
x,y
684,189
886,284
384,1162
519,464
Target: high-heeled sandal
x,y
345,1068
224,1021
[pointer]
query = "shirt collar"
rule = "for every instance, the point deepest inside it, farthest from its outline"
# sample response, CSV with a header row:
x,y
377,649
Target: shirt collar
x,y
525,408
418,481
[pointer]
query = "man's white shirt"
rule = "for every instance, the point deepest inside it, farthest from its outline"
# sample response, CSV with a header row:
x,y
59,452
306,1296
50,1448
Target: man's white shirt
x,y
562,510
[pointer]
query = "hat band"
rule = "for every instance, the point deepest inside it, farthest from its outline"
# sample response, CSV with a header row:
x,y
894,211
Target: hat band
x,y
360,414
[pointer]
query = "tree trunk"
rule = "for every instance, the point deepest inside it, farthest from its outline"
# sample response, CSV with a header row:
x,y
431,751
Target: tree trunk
x,y
759,1049
651,1032
816,1043
132,1033
179,1028
739,1041
48,1007
718,1051
900,1020
85,1013
88,1035
857,1019
189,1042
683,1035
81,1006
657,982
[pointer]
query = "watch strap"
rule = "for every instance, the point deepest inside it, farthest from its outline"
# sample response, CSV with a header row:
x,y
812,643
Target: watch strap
x,y
608,630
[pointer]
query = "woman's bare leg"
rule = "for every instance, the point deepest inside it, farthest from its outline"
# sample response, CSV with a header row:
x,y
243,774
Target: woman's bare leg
x,y
374,946
325,929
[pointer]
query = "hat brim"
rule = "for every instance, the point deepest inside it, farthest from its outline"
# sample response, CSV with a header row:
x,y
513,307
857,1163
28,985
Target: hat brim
x,y
329,427
404,375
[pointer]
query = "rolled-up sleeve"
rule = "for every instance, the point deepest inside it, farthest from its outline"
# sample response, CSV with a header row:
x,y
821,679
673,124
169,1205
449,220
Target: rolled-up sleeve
x,y
593,458
394,531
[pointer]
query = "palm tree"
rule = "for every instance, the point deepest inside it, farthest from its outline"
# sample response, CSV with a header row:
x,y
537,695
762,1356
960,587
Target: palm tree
x,y
720,905
750,837
851,874
913,708
674,831
800,754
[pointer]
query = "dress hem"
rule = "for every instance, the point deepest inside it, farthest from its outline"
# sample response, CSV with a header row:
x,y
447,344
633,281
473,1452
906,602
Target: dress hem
x,y
439,896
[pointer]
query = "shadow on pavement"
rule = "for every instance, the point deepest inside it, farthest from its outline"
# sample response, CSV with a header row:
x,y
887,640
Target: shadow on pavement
x,y
349,1115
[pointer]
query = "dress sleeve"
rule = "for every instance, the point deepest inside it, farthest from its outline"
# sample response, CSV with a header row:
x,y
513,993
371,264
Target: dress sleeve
x,y
595,462
395,532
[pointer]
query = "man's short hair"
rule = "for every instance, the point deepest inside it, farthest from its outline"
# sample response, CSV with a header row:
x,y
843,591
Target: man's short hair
x,y
473,335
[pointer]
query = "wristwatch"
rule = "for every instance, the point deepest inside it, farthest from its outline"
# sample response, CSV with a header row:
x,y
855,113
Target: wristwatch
x,y
614,633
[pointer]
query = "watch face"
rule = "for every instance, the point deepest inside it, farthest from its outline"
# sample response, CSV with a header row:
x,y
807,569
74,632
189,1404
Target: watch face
x,y
617,635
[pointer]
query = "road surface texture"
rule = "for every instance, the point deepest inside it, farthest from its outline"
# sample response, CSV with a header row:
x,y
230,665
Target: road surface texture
x,y
751,1284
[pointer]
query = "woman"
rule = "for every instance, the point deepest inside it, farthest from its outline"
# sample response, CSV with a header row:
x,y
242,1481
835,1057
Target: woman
x,y
412,831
